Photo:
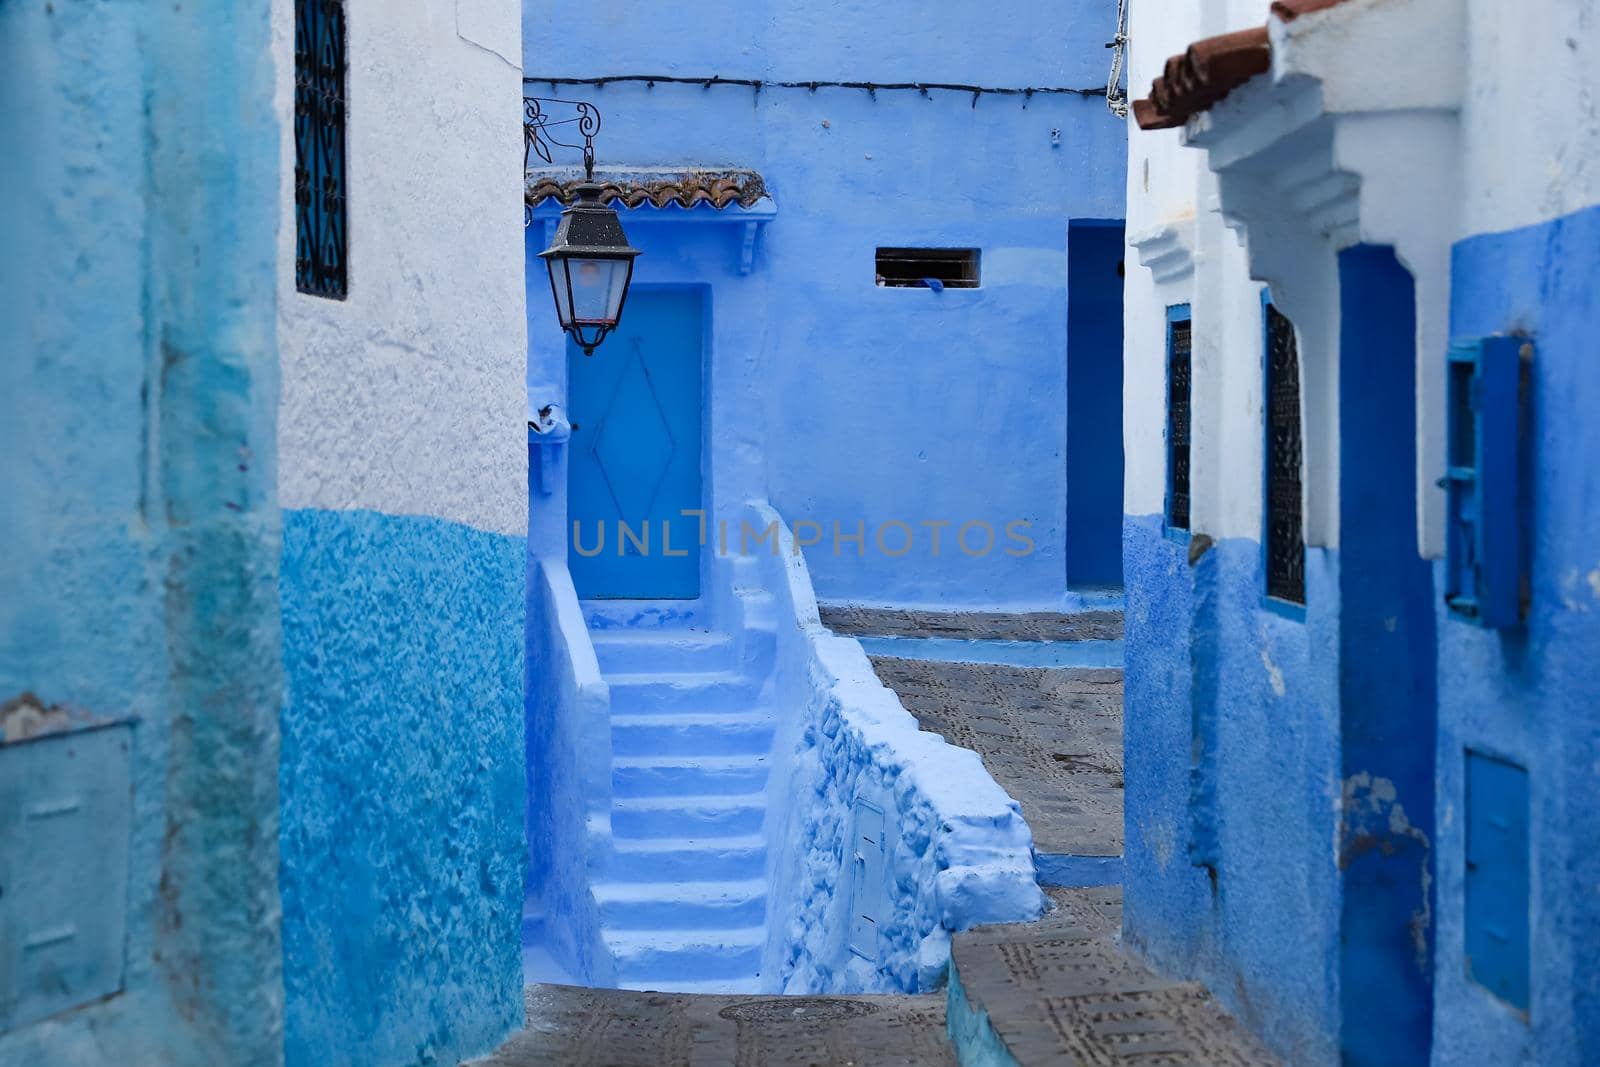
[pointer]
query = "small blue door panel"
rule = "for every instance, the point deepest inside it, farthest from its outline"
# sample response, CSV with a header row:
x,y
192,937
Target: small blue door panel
x,y
634,465
1498,877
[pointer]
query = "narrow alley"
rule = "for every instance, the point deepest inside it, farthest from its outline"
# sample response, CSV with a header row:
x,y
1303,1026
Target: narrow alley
x,y
1060,989
814,533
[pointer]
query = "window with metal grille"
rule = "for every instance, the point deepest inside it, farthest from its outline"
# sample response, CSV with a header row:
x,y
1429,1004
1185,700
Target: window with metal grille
x,y
1285,548
319,161
1178,419
928,268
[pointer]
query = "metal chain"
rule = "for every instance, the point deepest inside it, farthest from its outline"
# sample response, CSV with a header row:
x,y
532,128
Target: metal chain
x,y
1116,96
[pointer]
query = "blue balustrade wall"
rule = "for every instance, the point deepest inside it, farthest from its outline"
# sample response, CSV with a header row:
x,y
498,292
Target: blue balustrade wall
x,y
1530,694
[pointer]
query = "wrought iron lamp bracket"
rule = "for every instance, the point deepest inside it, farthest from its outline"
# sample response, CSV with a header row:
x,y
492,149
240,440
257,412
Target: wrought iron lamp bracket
x,y
537,124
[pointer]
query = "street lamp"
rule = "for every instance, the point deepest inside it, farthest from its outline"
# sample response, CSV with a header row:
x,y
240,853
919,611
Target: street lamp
x,y
590,264
590,261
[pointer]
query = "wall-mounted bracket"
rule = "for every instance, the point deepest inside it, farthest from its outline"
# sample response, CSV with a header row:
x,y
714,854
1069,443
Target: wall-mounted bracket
x,y
747,248
548,430
1167,249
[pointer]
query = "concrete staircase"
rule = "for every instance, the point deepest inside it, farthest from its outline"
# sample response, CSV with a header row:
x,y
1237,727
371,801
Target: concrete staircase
x,y
683,898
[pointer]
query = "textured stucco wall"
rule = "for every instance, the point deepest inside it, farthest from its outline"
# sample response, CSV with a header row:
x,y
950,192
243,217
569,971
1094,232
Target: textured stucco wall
x,y
1195,665
1523,165
402,783
958,851
403,477
407,397
1233,784
1528,694
138,390
839,400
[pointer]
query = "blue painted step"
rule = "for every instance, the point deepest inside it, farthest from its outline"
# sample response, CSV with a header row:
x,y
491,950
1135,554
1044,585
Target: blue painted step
x,y
698,691
686,733
682,905
633,776
688,816
683,900
658,859
621,651
671,956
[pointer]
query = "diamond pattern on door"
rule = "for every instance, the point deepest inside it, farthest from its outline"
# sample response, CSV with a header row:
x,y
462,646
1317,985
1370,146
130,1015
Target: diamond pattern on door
x,y
633,446
633,469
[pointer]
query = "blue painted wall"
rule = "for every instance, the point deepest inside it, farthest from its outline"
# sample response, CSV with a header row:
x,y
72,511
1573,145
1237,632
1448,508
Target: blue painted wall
x,y
1386,675
1528,694
403,787
840,400
138,392
1232,773
1247,730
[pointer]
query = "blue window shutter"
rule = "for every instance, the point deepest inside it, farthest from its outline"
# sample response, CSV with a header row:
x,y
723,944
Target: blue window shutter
x,y
1484,539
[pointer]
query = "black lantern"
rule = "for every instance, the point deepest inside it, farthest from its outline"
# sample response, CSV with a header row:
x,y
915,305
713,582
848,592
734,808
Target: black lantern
x,y
590,264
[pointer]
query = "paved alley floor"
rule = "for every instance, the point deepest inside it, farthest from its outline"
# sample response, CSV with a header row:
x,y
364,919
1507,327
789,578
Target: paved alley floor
x,y
1051,737
1063,990
572,1026
858,621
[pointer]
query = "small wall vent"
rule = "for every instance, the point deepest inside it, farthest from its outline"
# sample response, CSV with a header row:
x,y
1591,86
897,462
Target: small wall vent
x,y
928,268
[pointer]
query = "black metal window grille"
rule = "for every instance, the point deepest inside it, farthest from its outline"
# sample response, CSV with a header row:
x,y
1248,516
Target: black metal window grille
x,y
1286,548
1178,423
930,268
319,159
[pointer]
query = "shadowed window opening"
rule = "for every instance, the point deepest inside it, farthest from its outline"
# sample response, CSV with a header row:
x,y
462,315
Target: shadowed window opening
x,y
1286,548
1178,418
928,268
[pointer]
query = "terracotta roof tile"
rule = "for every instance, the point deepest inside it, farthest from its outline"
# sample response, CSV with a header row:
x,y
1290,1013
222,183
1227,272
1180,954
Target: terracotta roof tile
x,y
1289,10
1212,68
691,188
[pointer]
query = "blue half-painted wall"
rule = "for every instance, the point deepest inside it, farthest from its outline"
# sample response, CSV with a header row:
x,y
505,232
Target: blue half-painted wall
x,y
842,401
402,785
1278,756
138,391
1530,694
1231,729
1256,737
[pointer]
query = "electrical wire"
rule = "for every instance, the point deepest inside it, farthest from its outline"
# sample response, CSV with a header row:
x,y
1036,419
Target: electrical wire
x,y
871,88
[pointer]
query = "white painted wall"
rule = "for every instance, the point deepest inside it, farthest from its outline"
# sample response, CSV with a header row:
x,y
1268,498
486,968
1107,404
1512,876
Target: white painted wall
x,y
1172,193
409,396
1163,179
1530,121
1444,137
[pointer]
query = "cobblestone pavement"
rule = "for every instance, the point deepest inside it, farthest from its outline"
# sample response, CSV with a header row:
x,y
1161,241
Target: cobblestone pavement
x,y
860,621
1064,991
570,1026
1052,738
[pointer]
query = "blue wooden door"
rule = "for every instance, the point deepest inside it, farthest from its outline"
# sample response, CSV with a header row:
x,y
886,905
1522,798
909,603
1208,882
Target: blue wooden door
x,y
634,465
